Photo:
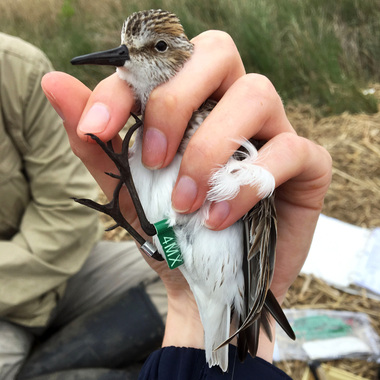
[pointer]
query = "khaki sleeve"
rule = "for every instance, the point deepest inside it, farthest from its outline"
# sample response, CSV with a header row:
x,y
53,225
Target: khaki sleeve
x,y
56,234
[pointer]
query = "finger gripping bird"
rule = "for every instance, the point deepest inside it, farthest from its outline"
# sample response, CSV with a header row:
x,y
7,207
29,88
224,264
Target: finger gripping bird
x,y
229,271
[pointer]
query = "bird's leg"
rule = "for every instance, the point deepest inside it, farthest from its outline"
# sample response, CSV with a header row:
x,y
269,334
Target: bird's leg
x,y
122,163
112,208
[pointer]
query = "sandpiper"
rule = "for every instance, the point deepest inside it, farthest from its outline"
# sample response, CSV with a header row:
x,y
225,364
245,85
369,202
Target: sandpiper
x,y
228,271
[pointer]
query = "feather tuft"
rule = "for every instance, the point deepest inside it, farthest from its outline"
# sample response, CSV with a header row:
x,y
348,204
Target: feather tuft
x,y
240,170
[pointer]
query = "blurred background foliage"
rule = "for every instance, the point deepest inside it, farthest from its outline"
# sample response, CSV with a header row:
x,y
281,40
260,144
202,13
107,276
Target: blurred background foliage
x,y
320,52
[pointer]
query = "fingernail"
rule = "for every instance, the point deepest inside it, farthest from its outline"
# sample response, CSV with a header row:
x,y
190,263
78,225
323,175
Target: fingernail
x,y
184,195
218,213
96,119
155,147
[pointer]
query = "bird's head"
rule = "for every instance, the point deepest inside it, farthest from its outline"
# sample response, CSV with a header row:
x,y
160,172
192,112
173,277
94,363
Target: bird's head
x,y
153,49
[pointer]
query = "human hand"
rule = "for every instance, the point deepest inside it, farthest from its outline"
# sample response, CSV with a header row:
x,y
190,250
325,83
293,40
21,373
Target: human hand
x,y
248,107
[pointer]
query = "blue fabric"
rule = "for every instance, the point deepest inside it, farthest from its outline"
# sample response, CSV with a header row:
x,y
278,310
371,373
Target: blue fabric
x,y
170,363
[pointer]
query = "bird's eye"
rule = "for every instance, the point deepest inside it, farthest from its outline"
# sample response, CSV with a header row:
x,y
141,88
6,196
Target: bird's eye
x,y
161,46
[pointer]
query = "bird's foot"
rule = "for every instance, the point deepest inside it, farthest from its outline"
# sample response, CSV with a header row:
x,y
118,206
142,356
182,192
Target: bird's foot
x,y
113,208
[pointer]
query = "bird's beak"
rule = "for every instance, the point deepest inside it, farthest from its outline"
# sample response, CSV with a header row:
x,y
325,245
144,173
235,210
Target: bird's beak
x,y
112,57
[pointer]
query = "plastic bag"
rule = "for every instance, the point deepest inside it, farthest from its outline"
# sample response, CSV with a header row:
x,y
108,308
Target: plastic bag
x,y
328,335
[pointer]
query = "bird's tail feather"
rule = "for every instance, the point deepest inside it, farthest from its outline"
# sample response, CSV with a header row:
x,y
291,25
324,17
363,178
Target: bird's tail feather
x,y
214,335
273,307
248,339
265,323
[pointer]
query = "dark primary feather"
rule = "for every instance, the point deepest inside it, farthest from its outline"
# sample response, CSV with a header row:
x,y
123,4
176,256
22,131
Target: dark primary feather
x,y
272,306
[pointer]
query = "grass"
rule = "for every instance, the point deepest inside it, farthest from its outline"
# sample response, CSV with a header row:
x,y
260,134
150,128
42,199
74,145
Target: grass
x,y
315,51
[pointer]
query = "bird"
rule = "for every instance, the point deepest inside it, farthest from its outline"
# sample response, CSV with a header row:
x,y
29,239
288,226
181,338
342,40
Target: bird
x,y
229,272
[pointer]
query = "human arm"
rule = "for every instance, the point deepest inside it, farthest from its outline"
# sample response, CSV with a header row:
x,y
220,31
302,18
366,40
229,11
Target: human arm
x,y
45,236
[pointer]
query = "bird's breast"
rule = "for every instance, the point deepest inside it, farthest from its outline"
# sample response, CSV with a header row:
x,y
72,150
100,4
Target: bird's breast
x,y
212,258
154,186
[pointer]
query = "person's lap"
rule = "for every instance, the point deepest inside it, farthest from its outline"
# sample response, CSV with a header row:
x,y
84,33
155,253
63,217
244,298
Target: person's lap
x,y
111,269
15,343
108,275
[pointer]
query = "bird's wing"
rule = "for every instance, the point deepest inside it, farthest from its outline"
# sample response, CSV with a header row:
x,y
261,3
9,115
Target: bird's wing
x,y
258,263
261,225
260,235
261,255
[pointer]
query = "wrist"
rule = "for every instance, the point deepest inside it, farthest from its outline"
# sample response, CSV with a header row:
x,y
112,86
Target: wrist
x,y
183,325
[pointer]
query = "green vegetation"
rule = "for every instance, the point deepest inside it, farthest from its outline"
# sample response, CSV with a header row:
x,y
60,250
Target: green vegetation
x,y
316,51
